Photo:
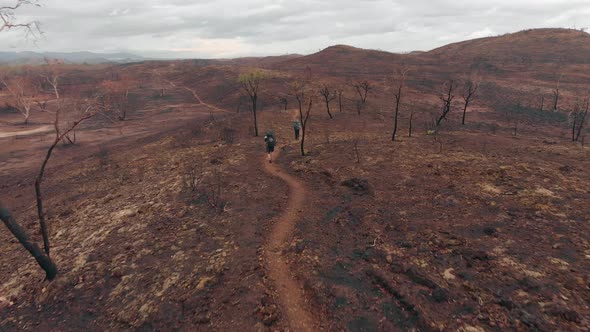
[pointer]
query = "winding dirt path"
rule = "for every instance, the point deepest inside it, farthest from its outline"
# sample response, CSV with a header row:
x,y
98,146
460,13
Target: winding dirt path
x,y
44,129
290,293
197,97
291,297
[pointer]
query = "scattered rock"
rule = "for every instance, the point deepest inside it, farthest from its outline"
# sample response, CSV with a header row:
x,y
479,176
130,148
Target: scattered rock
x,y
299,247
448,274
440,295
469,328
360,186
268,314
117,273
558,310
126,213
489,231
203,282
506,303
202,318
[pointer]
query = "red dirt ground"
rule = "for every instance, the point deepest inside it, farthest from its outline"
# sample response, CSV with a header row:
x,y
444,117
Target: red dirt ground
x,y
474,228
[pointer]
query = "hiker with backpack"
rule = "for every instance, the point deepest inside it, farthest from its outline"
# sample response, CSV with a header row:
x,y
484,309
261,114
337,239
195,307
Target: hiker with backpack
x,y
296,126
270,141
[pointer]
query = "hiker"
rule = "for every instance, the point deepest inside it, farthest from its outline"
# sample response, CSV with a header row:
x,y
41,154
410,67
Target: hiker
x,y
270,144
296,126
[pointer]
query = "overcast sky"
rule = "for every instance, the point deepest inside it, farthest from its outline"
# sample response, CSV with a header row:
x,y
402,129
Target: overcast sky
x,y
233,28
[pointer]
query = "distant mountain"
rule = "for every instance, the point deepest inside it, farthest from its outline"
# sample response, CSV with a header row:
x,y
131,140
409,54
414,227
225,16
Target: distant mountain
x,y
73,57
558,46
533,51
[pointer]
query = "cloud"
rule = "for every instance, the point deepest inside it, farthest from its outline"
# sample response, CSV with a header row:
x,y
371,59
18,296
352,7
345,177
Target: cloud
x,y
228,28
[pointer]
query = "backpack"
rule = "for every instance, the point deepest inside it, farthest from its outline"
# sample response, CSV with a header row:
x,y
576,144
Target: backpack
x,y
270,141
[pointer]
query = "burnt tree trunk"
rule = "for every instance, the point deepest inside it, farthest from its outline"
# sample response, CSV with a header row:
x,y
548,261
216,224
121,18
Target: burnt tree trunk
x,y
574,128
254,99
39,197
398,97
582,121
410,127
303,121
44,261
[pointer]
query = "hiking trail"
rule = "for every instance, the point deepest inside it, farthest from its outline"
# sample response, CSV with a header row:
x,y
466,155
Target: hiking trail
x,y
291,297
197,97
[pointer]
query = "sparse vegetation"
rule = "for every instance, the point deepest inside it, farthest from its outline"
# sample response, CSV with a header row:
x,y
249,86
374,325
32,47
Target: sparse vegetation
x,y
251,84
165,215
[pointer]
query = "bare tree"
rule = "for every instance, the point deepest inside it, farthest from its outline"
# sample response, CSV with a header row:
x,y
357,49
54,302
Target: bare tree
x,y
556,94
7,22
397,93
251,84
362,88
578,118
410,123
116,98
43,260
86,111
469,91
284,102
23,90
8,18
299,91
328,97
340,92
356,149
447,96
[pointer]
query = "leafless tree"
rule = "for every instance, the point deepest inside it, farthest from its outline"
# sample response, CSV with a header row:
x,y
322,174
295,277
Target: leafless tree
x,y
116,98
251,84
22,89
397,93
340,92
362,88
8,18
299,91
410,123
542,102
556,93
356,149
446,97
43,260
86,111
328,97
578,118
284,102
469,91
7,22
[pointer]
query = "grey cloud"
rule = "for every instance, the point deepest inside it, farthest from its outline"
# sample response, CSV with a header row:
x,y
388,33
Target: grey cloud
x,y
247,27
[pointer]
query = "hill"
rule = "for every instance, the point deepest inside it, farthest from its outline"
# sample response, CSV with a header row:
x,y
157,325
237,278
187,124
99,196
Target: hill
x,y
172,217
559,46
564,47
66,57
343,59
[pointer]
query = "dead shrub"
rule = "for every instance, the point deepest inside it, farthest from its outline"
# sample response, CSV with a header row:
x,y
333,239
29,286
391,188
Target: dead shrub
x,y
228,135
204,187
193,176
103,157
